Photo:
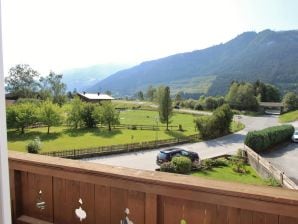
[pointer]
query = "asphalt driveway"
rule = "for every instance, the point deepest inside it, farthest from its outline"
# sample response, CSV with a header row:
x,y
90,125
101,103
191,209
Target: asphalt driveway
x,y
225,145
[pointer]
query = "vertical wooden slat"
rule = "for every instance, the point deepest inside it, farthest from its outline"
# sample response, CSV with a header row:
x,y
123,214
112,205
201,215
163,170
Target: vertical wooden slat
x,y
173,210
160,209
264,218
194,212
210,214
136,206
66,200
31,185
66,196
151,209
246,217
287,220
221,215
118,204
102,204
233,216
87,195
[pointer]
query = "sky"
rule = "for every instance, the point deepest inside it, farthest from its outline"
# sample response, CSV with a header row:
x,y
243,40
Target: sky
x,y
63,34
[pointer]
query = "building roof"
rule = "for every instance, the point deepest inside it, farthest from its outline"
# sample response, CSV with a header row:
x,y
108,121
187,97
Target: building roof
x,y
271,104
96,96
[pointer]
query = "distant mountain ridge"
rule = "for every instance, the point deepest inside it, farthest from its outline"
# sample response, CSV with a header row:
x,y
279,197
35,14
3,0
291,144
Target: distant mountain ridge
x,y
82,78
268,55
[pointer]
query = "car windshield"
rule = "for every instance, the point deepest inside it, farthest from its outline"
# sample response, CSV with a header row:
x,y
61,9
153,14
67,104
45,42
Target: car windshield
x,y
162,155
184,153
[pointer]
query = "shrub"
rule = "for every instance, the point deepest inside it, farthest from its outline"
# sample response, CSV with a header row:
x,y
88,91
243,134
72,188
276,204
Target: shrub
x,y
168,167
182,164
269,137
34,146
217,124
238,162
207,164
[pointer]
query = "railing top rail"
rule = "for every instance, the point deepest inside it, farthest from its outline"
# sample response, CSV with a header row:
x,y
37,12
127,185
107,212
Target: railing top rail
x,y
148,178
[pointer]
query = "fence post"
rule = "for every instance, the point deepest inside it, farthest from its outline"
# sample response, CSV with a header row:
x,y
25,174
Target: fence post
x,y
282,178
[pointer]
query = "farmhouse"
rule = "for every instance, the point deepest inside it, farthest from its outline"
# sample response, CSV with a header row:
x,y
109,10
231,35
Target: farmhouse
x,y
94,97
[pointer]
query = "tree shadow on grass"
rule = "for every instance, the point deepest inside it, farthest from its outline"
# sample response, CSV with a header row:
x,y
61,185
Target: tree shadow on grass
x,y
104,133
79,132
14,136
175,134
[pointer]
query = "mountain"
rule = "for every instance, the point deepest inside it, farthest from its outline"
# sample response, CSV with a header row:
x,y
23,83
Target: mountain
x,y
83,78
269,56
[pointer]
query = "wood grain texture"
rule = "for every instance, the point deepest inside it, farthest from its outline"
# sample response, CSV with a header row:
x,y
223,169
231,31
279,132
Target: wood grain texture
x,y
151,197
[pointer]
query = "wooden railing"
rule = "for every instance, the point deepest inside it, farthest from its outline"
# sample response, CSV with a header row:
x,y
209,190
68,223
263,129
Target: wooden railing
x,y
49,190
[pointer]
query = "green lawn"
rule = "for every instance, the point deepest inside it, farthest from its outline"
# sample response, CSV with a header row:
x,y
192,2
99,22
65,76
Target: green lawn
x,y
226,173
289,117
62,138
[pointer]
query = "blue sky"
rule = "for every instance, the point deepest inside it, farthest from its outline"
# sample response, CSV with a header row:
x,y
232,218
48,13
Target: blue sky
x,y
63,34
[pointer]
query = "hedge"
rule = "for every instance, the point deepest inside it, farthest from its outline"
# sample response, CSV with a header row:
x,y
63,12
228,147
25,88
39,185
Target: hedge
x,y
264,139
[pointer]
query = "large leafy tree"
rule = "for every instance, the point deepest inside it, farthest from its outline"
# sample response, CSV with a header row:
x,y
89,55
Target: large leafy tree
x,y
242,96
290,101
74,115
109,115
87,115
165,107
21,81
50,114
53,85
21,116
150,94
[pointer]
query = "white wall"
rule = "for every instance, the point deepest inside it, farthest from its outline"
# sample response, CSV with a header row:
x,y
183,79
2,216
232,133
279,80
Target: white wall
x,y
5,211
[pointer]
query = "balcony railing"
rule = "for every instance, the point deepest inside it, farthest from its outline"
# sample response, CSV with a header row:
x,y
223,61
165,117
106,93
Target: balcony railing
x,y
48,190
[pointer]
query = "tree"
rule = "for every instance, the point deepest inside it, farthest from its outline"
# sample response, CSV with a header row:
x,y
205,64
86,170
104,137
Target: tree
x,y
53,84
165,107
150,94
108,115
140,95
21,81
74,117
21,116
178,96
290,101
241,96
50,114
87,115
217,124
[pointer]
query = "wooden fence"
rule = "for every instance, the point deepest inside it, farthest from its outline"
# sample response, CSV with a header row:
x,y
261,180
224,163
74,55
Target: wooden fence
x,y
267,170
113,149
48,190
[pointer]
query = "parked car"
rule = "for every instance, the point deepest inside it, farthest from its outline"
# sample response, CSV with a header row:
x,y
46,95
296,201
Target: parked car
x,y
167,155
295,136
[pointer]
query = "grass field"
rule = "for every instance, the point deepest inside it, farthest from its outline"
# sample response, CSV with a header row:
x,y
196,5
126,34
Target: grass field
x,y
289,117
62,138
226,173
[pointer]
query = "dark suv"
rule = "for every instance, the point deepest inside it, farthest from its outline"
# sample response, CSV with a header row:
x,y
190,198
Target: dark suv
x,y
167,155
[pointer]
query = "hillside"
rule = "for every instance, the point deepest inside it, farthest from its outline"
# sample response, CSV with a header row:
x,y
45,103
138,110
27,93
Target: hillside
x,y
269,56
83,78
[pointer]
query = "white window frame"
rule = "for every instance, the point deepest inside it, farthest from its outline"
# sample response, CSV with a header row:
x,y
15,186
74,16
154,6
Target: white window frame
x,y
5,209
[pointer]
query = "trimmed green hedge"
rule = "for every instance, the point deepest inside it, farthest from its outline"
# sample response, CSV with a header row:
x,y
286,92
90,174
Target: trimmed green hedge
x,y
268,137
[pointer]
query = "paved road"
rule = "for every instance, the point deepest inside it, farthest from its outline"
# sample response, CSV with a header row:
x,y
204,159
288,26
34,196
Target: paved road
x,y
225,145
286,158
